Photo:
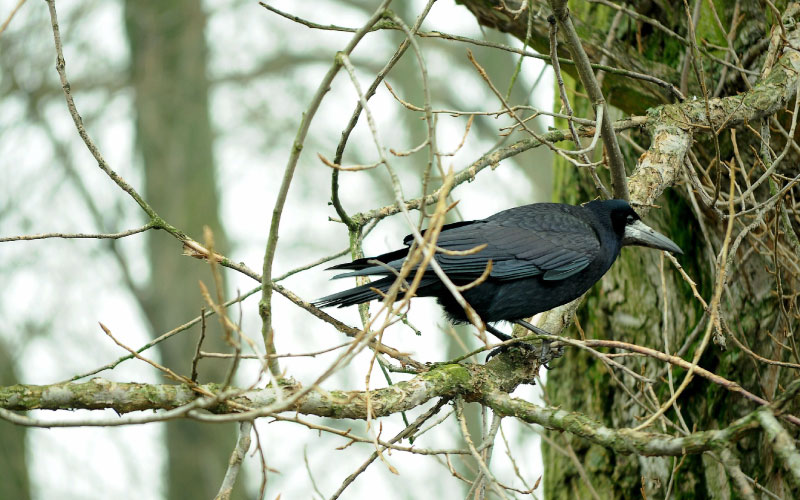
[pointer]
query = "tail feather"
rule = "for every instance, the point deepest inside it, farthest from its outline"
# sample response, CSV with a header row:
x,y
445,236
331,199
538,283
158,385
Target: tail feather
x,y
365,293
357,295
365,264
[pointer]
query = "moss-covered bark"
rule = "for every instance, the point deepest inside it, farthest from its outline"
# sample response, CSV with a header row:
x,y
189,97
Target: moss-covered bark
x,y
629,304
633,96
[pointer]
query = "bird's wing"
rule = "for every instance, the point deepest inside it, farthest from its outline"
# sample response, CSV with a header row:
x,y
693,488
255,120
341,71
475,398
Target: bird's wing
x,y
545,239
556,246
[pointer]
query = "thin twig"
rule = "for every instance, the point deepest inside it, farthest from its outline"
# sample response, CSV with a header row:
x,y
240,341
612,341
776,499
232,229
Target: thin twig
x,y
99,236
619,183
265,305
235,462
669,87
409,431
11,16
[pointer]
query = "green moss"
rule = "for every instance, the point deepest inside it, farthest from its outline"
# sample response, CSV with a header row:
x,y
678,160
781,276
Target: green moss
x,y
453,375
339,410
152,393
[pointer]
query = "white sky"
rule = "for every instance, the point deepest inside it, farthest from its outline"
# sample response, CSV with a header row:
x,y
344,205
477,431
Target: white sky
x,y
50,280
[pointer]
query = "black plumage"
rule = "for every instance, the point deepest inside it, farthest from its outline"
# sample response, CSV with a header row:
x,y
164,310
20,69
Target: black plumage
x,y
543,255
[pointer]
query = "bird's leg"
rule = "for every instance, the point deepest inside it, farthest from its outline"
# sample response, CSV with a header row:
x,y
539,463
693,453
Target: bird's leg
x,y
545,355
497,333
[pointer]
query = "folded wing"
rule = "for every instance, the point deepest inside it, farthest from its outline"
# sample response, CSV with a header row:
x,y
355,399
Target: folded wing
x,y
538,240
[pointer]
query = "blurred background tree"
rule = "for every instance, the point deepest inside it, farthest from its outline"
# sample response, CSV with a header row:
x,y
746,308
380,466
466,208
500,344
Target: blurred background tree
x,y
196,105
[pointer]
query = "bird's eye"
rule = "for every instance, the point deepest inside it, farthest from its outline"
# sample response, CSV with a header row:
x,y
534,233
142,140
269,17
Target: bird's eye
x,y
631,219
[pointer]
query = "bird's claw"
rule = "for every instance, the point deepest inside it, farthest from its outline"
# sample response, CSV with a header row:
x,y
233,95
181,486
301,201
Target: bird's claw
x,y
546,354
549,353
543,359
504,348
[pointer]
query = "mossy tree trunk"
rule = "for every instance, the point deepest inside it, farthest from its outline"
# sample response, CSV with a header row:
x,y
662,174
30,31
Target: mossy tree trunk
x,y
634,305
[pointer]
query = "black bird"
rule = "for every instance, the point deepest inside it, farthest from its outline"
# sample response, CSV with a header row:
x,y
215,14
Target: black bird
x,y
543,255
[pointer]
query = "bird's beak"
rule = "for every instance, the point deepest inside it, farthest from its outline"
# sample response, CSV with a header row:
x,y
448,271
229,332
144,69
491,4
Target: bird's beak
x,y
639,233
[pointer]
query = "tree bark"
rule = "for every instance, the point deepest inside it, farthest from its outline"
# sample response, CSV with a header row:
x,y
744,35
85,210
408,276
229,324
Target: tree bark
x,y
630,304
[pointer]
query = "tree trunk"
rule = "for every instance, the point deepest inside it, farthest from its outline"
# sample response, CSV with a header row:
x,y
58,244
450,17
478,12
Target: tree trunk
x,y
169,71
14,480
630,303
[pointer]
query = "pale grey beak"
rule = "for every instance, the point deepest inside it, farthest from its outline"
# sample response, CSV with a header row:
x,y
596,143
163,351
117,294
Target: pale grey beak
x,y
641,234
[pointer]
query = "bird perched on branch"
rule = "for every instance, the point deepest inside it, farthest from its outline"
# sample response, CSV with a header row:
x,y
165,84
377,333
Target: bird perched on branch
x,y
542,256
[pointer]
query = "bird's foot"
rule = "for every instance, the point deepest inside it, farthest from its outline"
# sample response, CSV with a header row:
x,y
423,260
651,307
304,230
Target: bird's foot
x,y
550,352
528,348
543,355
543,359
547,353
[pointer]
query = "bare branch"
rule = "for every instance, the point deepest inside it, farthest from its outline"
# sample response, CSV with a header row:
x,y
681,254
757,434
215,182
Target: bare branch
x,y
235,462
616,162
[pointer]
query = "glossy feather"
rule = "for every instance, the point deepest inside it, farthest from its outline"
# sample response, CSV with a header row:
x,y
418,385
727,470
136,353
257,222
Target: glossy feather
x,y
543,255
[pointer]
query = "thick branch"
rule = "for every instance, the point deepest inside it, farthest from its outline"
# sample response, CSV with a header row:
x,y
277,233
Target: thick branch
x,y
443,380
620,440
782,443
488,384
672,126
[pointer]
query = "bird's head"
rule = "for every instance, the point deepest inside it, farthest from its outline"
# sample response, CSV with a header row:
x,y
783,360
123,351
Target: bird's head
x,y
628,225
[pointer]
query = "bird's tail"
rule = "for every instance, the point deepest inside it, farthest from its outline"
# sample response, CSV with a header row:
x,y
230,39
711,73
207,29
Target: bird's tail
x,y
365,293
357,295
368,267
